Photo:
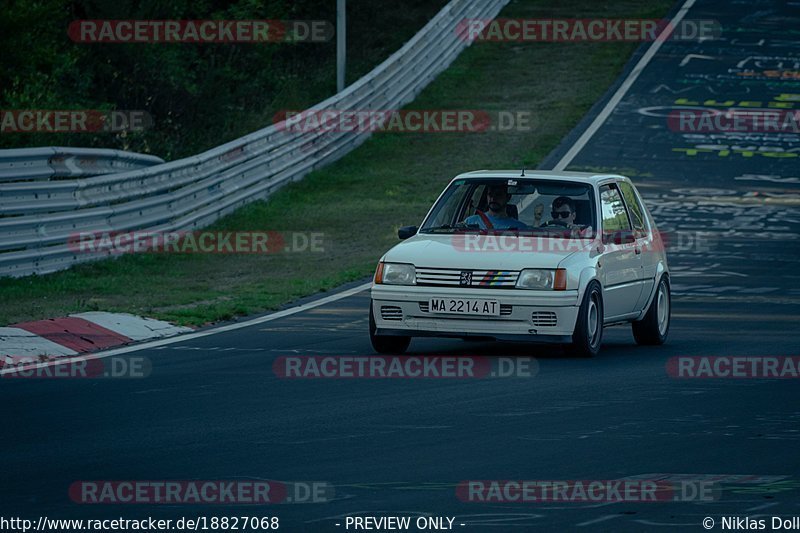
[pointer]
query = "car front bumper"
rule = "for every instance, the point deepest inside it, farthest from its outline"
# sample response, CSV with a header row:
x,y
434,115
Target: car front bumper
x,y
543,316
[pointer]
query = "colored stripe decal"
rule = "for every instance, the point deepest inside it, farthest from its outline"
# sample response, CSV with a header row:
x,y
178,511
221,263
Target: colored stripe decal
x,y
492,277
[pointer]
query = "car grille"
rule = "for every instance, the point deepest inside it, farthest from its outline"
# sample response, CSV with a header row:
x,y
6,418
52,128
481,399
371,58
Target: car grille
x,y
479,279
390,312
544,319
505,309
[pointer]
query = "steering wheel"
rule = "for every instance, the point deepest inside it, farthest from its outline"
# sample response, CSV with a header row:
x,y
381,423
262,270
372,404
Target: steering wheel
x,y
551,223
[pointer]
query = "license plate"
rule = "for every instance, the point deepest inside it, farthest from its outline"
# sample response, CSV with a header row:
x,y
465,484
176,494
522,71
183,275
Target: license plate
x,y
464,306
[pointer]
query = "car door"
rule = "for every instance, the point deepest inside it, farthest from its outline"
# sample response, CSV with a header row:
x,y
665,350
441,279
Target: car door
x,y
645,240
621,261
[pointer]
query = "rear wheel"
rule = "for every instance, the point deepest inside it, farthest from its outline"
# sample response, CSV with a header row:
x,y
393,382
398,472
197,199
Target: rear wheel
x,y
386,344
588,332
652,330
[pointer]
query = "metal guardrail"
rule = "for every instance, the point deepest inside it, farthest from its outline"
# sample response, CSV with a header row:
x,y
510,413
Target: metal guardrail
x,y
53,162
193,192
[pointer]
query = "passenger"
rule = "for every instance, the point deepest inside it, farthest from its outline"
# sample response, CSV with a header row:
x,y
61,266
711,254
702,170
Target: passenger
x,y
564,213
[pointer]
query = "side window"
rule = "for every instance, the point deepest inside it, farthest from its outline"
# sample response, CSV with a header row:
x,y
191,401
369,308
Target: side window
x,y
615,218
634,208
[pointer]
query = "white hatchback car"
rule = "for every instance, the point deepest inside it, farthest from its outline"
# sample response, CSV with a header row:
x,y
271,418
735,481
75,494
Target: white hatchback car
x,y
541,256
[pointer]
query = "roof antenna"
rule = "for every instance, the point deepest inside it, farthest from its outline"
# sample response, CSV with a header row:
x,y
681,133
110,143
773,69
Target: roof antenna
x,y
523,171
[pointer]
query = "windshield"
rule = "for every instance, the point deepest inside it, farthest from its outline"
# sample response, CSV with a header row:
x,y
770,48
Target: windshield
x,y
518,205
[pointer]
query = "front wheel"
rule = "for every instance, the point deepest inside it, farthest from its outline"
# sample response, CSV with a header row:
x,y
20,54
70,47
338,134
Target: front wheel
x,y
652,330
386,344
588,332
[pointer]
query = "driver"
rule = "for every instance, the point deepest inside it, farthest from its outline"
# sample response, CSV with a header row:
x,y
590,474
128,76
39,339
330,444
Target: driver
x,y
497,196
564,213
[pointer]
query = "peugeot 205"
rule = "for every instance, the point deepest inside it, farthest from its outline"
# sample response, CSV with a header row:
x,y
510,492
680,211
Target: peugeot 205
x,y
541,256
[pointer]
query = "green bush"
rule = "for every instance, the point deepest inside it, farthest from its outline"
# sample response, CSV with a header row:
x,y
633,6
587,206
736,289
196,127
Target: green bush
x,y
199,95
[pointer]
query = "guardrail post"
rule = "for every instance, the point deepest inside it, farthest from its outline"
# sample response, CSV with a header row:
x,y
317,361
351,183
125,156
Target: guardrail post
x,y
341,43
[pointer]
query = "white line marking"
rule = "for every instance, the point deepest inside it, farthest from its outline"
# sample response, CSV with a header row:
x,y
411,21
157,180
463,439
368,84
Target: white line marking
x,y
759,507
601,519
689,57
199,334
623,89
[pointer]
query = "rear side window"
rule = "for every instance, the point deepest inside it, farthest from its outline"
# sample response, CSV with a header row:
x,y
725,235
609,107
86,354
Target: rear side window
x,y
615,218
634,208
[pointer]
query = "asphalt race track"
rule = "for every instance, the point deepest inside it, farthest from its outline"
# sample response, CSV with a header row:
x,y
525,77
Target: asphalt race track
x,y
214,409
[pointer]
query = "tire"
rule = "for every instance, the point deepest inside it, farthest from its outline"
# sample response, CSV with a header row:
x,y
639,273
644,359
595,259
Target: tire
x,y
653,329
588,334
386,344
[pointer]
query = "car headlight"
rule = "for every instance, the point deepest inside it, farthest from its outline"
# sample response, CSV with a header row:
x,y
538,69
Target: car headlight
x,y
542,279
396,274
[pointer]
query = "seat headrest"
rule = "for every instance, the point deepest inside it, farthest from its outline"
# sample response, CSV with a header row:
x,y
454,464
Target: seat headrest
x,y
512,211
584,215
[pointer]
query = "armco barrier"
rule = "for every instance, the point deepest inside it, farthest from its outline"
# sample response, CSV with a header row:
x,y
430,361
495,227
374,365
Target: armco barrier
x,y
24,164
36,222
31,178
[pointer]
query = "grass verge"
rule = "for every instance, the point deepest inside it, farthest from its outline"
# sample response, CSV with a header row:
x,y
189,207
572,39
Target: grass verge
x,y
358,202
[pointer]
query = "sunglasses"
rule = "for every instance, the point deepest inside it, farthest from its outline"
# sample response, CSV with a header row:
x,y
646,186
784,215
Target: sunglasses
x,y
560,214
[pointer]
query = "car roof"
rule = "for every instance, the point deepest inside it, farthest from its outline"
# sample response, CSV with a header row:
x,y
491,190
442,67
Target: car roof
x,y
586,177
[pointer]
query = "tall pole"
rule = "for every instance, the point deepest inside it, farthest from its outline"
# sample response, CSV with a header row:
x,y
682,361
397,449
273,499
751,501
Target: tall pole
x,y
341,49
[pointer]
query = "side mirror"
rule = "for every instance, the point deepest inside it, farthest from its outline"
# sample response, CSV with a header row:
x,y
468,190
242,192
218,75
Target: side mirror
x,y
406,231
624,237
